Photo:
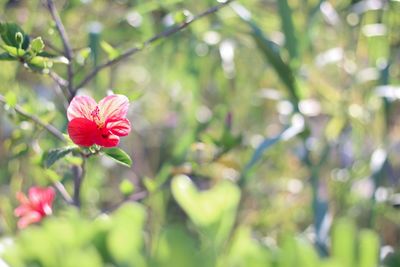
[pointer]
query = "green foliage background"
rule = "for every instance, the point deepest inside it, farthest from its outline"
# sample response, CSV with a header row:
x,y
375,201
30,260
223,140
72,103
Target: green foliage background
x,y
254,130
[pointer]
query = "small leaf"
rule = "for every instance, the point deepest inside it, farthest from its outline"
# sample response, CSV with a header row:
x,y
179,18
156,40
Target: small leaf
x,y
19,38
271,52
37,45
54,155
135,95
228,140
13,51
182,16
11,98
9,31
119,156
111,51
54,58
82,55
41,62
6,57
52,175
288,28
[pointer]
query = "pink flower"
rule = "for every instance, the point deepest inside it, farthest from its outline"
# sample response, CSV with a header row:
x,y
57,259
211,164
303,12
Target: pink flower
x,y
102,124
34,207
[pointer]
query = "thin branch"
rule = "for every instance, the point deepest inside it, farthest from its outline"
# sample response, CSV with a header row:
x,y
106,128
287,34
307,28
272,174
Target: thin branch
x,y
153,39
79,174
65,40
61,88
63,192
59,80
48,127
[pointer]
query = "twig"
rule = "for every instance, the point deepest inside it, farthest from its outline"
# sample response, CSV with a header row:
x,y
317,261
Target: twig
x,y
79,174
59,80
63,192
62,89
153,39
48,127
65,40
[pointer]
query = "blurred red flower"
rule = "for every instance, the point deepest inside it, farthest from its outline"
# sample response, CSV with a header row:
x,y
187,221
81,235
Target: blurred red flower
x,y
35,207
102,124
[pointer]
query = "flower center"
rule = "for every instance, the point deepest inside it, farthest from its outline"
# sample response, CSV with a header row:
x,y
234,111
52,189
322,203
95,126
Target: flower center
x,y
101,125
96,117
104,132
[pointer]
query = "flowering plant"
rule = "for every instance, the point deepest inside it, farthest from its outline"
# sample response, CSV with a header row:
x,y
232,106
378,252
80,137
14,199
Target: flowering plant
x,y
35,207
227,164
101,124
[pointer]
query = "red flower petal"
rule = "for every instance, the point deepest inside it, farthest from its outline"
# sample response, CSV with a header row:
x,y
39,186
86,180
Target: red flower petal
x,y
29,218
81,107
22,198
83,132
108,140
113,107
42,199
22,210
120,127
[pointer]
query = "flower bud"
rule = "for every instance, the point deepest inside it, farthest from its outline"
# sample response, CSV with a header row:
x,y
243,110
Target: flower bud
x,y
19,38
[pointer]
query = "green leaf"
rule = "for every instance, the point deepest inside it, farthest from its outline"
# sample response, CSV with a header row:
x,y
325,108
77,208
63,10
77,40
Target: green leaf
x,y
307,256
343,242
8,32
288,28
246,251
182,16
52,175
111,51
213,211
228,140
82,55
37,45
41,62
11,98
272,55
175,244
271,52
13,51
54,58
119,156
53,155
125,241
368,249
6,57
19,39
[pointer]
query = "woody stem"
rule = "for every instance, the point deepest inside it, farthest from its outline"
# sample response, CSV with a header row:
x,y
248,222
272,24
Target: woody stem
x,y
79,174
